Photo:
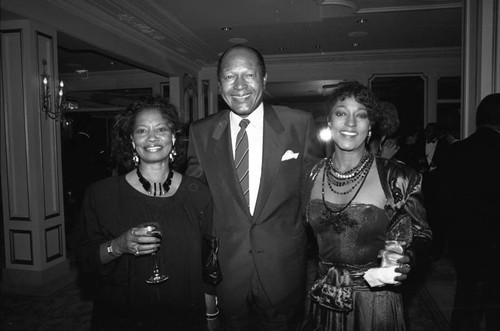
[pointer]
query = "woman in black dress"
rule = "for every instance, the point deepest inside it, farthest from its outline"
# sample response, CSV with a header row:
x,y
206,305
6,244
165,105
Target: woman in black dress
x,y
114,244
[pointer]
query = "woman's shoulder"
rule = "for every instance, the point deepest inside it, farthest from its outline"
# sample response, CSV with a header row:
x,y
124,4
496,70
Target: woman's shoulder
x,y
391,168
193,194
105,184
105,191
320,164
317,167
194,187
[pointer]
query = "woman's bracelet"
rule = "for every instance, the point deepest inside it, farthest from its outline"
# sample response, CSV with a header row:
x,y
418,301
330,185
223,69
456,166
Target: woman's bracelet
x,y
211,317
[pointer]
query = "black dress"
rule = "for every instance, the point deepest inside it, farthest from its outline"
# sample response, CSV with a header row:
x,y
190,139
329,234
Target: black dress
x,y
123,299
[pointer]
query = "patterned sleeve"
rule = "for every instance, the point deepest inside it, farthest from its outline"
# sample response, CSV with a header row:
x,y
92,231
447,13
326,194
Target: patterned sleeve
x,y
406,209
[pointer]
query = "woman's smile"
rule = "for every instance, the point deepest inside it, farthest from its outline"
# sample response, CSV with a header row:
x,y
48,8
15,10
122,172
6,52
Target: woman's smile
x,y
349,134
153,149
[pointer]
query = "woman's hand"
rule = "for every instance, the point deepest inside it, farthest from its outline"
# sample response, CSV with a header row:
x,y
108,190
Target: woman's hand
x,y
393,272
403,268
400,261
137,241
389,149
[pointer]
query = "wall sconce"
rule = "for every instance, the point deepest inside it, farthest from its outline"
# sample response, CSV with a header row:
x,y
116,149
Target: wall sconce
x,y
57,110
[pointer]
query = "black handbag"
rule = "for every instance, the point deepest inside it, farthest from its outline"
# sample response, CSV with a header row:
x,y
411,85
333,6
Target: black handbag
x,y
211,269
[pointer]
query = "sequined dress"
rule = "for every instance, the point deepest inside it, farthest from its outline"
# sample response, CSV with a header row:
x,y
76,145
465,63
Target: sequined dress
x,y
354,243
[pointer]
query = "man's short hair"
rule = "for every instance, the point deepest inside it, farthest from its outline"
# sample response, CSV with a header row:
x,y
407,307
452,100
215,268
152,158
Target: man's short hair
x,y
260,58
488,111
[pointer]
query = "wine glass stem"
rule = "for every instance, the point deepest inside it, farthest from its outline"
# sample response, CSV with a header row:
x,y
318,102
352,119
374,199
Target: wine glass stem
x,y
156,270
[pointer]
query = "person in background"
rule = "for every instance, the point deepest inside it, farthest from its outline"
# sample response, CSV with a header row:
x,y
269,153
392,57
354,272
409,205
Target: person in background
x,y
116,247
253,157
362,207
436,153
471,193
411,150
435,147
384,141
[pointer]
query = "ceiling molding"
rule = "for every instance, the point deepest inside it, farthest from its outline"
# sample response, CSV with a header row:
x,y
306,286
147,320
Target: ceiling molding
x,y
410,8
158,24
368,56
108,18
343,3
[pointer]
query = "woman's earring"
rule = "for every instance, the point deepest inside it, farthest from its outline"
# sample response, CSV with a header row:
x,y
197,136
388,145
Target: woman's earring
x,y
135,158
172,155
369,136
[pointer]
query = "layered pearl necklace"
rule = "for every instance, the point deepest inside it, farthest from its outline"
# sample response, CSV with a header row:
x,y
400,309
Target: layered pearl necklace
x,y
355,177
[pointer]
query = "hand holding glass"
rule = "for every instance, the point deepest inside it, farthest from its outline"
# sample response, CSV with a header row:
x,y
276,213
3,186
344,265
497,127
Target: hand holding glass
x,y
394,249
156,275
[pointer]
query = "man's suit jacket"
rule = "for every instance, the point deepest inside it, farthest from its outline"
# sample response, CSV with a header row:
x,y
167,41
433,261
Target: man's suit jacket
x,y
472,196
272,241
440,153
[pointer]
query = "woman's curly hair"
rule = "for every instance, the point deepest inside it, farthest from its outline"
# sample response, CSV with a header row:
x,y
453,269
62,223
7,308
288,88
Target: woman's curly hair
x,y
122,150
360,93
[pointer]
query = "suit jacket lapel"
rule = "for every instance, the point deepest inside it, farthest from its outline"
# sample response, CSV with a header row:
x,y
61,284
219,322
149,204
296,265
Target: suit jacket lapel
x,y
271,157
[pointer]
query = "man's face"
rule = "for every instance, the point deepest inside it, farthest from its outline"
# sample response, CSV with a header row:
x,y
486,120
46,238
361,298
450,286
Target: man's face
x,y
241,83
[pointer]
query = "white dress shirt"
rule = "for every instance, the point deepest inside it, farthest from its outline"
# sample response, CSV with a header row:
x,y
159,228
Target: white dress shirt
x,y
255,132
430,148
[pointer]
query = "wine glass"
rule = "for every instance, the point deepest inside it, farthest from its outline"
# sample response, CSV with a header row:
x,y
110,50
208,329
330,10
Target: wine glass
x,y
156,275
389,259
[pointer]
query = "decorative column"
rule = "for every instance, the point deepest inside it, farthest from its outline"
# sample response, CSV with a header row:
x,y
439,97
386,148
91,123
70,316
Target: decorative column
x,y
32,196
481,57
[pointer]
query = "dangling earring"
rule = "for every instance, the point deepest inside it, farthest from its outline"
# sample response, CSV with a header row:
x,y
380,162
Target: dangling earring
x,y
369,136
135,159
172,155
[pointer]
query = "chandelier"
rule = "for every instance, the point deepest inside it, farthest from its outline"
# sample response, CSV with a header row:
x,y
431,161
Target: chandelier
x,y
54,110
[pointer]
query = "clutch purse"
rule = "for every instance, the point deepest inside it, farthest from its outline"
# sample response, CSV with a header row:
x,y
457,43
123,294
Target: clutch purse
x,y
211,270
334,291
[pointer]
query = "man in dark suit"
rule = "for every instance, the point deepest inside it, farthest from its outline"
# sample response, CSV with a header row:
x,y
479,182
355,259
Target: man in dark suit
x,y
435,151
472,193
259,223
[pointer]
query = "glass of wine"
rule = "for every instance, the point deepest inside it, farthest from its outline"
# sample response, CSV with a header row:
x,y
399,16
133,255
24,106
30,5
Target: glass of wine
x,y
389,259
156,275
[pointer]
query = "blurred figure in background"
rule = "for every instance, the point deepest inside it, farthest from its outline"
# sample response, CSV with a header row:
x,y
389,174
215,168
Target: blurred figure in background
x,y
436,151
471,191
411,150
384,141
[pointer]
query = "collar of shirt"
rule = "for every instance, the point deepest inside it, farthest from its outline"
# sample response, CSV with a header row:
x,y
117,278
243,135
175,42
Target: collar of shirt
x,y
256,119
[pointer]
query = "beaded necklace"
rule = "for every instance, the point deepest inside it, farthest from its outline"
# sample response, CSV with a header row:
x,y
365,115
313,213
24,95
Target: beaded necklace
x,y
158,189
329,215
351,173
355,175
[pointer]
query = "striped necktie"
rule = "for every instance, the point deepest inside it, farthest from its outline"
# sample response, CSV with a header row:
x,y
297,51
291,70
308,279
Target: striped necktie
x,y
241,158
